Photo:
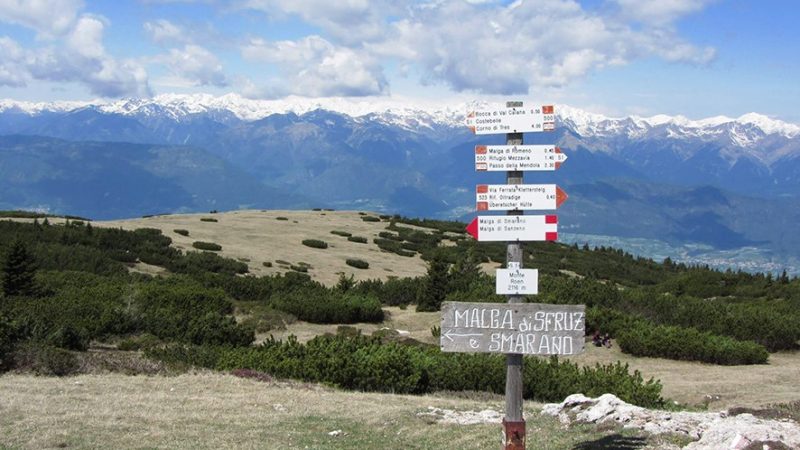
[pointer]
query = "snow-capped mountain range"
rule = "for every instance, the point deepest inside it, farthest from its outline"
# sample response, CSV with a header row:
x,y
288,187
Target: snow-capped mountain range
x,y
402,113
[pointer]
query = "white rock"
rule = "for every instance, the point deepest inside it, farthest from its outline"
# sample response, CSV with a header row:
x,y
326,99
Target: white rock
x,y
712,431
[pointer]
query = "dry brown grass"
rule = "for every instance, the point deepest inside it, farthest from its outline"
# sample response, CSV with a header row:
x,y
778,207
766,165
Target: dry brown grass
x,y
726,386
255,236
417,325
213,411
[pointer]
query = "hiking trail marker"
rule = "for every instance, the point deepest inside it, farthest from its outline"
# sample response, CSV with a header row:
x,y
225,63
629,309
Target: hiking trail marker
x,y
511,119
514,228
516,281
515,328
519,328
500,158
504,197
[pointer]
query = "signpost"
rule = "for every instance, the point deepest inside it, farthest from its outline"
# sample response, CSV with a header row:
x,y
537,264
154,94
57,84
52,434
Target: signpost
x,y
517,281
514,228
516,328
511,119
523,328
494,197
501,158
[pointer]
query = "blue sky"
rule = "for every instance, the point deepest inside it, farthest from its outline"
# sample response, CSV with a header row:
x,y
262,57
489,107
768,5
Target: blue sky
x,y
698,58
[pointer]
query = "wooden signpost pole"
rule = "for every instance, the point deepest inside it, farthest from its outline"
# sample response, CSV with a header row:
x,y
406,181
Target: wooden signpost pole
x,y
514,422
524,328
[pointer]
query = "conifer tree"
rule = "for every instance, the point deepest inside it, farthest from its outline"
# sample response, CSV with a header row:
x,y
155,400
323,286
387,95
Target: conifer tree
x,y
18,270
434,289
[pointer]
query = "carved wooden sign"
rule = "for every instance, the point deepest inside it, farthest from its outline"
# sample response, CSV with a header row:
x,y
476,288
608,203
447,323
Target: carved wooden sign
x,y
521,328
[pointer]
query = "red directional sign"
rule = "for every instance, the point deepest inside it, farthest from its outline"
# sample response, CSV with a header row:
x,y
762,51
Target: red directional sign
x,y
504,197
514,228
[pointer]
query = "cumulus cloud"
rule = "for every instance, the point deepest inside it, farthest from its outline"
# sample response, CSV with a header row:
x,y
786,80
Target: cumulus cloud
x,y
163,31
196,65
47,17
346,21
12,70
78,55
490,46
314,67
511,49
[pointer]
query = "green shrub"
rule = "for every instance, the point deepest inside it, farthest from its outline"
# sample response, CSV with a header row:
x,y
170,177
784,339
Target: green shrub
x,y
370,219
282,262
196,263
365,363
70,338
281,218
8,339
390,236
45,360
357,239
140,342
267,264
210,246
181,231
315,243
689,344
299,268
357,263
341,233
316,304
208,219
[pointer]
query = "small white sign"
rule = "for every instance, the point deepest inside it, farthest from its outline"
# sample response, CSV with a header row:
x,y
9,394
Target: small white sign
x,y
514,228
494,197
497,158
499,119
516,281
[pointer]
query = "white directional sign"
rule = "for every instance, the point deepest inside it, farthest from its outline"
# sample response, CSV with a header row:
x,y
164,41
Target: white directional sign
x,y
503,197
516,281
521,328
496,158
514,228
498,119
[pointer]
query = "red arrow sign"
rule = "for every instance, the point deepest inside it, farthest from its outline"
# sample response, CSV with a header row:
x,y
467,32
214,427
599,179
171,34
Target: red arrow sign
x,y
506,197
514,228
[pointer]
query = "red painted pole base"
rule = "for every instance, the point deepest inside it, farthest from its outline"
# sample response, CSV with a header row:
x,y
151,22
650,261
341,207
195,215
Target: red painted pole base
x,y
513,435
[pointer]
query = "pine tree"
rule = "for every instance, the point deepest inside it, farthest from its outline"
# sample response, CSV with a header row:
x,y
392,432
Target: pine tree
x,y
465,271
18,270
435,286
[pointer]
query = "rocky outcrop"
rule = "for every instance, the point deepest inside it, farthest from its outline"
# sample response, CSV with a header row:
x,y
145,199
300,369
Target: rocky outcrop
x,y
711,431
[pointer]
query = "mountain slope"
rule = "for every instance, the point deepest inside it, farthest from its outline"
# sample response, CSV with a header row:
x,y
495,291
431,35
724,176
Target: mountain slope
x,y
107,180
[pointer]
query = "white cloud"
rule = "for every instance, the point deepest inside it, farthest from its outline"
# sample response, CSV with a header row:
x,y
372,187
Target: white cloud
x,y
504,49
659,12
78,57
48,17
12,70
196,65
314,67
346,21
86,38
163,31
